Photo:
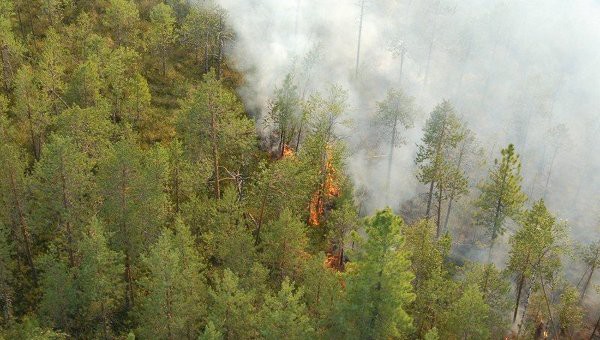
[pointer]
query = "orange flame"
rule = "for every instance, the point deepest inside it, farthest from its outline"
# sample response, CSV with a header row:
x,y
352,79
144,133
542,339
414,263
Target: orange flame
x,y
329,189
287,151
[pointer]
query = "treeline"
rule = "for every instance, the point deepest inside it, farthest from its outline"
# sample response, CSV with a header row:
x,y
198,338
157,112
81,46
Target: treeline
x,y
138,201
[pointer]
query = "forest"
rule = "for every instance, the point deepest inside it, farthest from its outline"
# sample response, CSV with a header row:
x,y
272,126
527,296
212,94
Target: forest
x,y
270,169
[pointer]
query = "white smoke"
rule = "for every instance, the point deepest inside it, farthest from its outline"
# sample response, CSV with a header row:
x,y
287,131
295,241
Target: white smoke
x,y
514,69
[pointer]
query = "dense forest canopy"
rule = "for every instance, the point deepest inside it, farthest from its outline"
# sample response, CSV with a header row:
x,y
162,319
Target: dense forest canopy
x,y
299,169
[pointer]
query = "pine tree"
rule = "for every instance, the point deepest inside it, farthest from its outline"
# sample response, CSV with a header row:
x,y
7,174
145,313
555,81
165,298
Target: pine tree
x,y
284,111
122,19
14,203
100,282
467,317
501,195
89,129
7,267
10,47
32,108
161,34
284,315
395,114
51,70
536,249
378,283
84,87
283,247
64,196
174,302
232,309
442,133
135,202
214,129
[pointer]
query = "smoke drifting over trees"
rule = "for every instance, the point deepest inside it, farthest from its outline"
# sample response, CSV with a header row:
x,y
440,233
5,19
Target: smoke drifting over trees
x,y
516,71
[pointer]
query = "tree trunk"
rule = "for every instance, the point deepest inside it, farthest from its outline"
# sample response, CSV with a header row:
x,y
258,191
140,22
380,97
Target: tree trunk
x,y
519,290
362,11
429,199
65,204
587,282
7,71
390,159
596,327
439,210
23,226
215,153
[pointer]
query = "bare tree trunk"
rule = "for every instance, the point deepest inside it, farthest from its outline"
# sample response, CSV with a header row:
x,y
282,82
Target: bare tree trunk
x,y
596,327
360,25
390,158
7,71
66,206
23,226
215,154
439,210
429,199
587,282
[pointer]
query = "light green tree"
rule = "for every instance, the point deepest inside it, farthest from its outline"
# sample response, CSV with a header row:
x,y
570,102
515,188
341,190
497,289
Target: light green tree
x,y
442,133
64,195
284,315
134,202
378,283
536,248
215,130
395,114
122,19
467,317
232,310
32,108
501,196
162,35
175,301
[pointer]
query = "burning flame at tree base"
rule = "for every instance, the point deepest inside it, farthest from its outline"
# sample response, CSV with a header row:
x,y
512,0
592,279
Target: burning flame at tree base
x,y
329,189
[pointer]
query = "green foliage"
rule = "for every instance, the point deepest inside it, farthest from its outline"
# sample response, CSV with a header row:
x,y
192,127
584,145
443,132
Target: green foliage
x,y
378,283
232,309
467,317
283,247
501,195
284,315
175,300
64,195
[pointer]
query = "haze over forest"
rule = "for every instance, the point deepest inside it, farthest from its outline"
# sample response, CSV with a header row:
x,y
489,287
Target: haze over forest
x,y
303,169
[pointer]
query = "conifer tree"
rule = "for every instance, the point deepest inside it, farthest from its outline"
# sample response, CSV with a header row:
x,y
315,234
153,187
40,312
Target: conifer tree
x,y
284,315
442,133
32,108
394,115
536,249
284,111
135,202
501,195
378,283
7,266
64,195
467,317
122,19
161,34
232,309
174,303
10,47
51,70
14,204
214,130
283,247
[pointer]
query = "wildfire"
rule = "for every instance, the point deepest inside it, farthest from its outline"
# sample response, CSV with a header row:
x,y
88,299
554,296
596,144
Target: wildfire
x,y
329,189
287,151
